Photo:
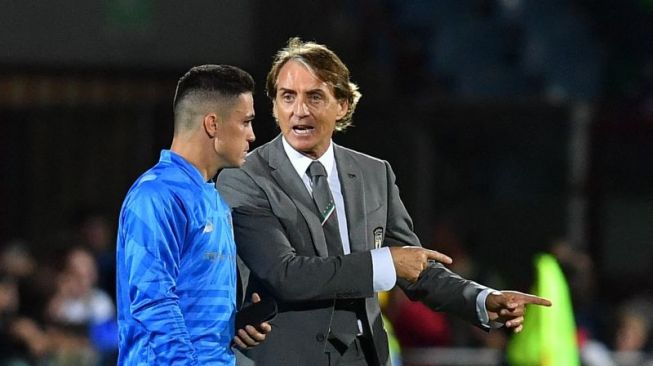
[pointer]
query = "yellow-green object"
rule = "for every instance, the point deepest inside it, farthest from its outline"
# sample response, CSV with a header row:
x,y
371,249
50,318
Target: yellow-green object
x,y
549,334
393,344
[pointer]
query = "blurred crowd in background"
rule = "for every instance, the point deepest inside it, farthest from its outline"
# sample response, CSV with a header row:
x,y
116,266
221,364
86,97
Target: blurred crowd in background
x,y
58,307
474,102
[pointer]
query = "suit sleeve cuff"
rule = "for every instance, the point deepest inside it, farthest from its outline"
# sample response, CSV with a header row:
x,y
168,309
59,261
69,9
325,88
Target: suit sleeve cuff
x,y
384,276
481,310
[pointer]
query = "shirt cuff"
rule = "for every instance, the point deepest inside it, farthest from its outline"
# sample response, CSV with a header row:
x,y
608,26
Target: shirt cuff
x,y
384,276
481,310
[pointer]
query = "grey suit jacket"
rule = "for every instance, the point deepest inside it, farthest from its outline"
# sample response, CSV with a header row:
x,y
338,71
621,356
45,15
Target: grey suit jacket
x,y
280,240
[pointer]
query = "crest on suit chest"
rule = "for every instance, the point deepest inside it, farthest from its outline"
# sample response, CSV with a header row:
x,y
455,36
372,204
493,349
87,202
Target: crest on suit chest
x,y
378,237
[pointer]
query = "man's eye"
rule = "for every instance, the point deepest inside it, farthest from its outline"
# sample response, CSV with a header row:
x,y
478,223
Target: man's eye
x,y
287,97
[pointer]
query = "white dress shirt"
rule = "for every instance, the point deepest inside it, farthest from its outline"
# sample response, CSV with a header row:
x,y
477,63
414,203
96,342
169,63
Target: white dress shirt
x,y
384,276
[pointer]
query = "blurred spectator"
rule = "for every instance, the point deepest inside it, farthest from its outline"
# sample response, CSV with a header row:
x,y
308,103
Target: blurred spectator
x,y
22,316
578,268
451,238
77,300
24,340
94,231
579,271
16,261
41,341
12,353
632,339
415,325
81,308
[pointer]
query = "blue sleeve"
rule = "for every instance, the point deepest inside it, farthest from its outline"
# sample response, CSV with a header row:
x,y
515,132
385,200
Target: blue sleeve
x,y
154,236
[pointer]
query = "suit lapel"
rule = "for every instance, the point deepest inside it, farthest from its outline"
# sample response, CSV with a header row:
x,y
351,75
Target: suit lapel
x,y
351,184
286,176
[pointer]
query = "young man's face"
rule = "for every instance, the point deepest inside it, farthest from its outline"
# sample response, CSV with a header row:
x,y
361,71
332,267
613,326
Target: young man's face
x,y
306,109
235,133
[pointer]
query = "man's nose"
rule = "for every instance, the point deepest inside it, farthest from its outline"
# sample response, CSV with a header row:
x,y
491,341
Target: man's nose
x,y
250,137
301,108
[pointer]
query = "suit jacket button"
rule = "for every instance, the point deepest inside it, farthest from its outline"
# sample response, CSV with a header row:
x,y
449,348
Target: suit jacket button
x,y
320,337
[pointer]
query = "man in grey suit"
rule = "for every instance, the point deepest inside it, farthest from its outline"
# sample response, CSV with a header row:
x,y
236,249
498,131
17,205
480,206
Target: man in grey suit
x,y
321,228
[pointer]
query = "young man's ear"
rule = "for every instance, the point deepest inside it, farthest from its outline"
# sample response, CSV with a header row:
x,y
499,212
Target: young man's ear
x,y
211,124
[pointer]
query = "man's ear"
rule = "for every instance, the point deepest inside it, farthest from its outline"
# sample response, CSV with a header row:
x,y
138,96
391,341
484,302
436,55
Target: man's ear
x,y
274,110
211,124
343,108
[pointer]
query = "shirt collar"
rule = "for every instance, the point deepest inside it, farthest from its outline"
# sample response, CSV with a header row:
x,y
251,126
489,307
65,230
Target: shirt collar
x,y
301,162
188,168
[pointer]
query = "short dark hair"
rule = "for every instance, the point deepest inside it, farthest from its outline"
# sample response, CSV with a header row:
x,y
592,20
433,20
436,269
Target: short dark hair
x,y
327,66
223,81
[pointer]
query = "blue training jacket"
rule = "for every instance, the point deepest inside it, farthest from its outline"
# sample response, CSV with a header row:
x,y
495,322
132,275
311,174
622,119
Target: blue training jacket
x,y
176,269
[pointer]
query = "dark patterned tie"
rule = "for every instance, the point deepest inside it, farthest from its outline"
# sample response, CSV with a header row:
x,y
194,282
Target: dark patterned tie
x,y
344,324
326,207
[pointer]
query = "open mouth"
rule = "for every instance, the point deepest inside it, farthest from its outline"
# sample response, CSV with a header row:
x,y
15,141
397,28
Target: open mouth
x,y
302,129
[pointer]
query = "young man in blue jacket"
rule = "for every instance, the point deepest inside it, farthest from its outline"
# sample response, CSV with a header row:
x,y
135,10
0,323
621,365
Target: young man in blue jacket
x,y
176,256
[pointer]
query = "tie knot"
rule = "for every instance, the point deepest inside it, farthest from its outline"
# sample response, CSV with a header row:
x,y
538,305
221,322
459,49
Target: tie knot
x,y
316,169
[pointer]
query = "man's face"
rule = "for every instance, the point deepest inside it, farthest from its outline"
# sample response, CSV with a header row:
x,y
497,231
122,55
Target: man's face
x,y
306,109
235,133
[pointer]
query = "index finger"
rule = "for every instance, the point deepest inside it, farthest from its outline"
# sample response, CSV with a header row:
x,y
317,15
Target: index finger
x,y
535,300
437,256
